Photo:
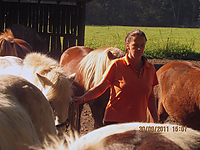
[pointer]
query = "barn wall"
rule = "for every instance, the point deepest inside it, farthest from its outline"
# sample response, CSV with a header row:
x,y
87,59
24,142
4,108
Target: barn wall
x,y
61,26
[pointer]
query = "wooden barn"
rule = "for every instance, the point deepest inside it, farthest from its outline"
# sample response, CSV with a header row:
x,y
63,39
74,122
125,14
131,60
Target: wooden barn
x,y
60,23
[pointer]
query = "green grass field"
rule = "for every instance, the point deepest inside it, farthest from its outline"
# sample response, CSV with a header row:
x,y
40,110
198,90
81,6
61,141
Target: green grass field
x,y
158,37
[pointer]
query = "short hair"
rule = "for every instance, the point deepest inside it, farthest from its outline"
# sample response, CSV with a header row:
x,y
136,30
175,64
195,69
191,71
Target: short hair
x,y
133,33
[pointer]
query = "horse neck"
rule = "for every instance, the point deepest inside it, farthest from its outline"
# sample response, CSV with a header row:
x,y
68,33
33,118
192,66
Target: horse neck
x,y
92,68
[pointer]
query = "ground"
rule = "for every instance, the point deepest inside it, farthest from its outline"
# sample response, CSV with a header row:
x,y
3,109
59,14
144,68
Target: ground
x,y
86,116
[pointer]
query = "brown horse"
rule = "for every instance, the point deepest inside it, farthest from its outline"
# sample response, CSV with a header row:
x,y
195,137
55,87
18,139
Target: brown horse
x,y
26,117
89,66
45,73
72,56
10,46
134,136
29,35
178,93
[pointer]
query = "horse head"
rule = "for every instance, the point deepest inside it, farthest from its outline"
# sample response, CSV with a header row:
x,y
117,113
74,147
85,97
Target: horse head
x,y
7,44
52,80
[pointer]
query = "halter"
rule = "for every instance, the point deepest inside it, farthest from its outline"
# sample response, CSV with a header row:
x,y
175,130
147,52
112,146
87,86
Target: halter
x,y
66,123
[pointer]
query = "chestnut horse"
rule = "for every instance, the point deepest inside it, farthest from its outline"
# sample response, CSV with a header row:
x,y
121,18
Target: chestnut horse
x,y
26,117
129,136
45,73
89,66
178,93
10,46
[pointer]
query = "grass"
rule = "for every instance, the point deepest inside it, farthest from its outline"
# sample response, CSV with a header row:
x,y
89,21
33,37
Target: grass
x,y
173,43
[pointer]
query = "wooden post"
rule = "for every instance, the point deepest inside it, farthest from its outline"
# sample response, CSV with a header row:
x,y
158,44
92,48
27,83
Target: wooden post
x,y
81,21
1,16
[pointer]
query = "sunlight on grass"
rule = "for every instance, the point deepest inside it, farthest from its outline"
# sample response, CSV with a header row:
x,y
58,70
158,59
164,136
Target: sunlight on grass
x,y
101,36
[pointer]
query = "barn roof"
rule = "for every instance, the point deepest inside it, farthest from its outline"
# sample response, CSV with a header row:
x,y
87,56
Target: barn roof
x,y
50,1
72,1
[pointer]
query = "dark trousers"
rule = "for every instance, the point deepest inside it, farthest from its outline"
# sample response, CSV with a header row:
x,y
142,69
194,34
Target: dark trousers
x,y
109,123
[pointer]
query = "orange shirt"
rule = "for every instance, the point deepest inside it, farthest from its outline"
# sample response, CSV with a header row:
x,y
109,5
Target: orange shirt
x,y
129,93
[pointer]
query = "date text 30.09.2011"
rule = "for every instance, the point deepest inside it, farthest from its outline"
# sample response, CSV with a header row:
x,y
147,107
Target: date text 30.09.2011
x,y
163,128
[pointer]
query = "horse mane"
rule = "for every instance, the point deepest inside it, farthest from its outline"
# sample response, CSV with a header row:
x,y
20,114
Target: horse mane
x,y
58,86
7,44
93,66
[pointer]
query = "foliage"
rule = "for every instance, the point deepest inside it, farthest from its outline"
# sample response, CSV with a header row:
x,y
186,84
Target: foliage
x,y
143,12
173,51
172,43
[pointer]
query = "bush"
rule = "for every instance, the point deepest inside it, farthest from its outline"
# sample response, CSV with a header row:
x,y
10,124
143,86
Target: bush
x,y
172,50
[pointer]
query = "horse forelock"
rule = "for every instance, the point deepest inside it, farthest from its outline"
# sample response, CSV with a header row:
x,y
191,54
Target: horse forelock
x,y
61,88
6,48
93,66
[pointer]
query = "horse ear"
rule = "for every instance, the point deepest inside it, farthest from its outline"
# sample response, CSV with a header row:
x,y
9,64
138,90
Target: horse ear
x,y
43,80
71,77
110,55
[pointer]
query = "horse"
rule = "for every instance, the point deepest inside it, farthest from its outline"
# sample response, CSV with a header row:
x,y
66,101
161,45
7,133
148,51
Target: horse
x,y
178,93
29,35
89,66
10,46
129,136
47,75
72,56
26,116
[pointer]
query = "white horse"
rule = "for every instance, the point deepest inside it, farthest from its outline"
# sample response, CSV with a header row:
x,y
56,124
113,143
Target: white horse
x,y
26,117
131,136
45,73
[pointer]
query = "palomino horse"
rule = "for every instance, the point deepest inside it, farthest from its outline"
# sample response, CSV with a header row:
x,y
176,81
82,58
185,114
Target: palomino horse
x,y
89,69
129,136
10,46
45,73
26,116
178,93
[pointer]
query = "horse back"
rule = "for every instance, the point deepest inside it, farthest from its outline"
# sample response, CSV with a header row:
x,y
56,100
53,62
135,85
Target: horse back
x,y
179,93
72,56
174,70
32,100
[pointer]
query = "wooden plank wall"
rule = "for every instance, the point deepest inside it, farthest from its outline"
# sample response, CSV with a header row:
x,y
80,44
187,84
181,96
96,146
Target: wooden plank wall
x,y
61,26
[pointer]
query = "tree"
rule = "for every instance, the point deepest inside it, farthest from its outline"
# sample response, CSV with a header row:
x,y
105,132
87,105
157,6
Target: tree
x,y
143,12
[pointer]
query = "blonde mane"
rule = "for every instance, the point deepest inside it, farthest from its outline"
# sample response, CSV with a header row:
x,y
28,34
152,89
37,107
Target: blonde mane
x,y
7,44
47,75
93,66
58,86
